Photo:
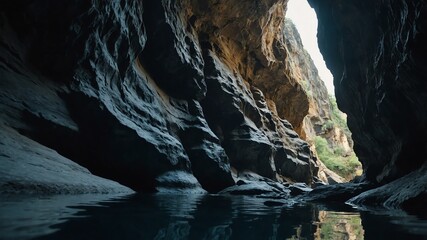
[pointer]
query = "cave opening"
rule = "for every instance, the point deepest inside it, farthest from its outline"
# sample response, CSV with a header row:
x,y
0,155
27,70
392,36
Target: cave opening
x,y
207,119
305,19
332,140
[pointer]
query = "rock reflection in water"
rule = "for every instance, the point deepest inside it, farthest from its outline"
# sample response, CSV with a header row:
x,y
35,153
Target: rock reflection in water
x,y
190,217
337,225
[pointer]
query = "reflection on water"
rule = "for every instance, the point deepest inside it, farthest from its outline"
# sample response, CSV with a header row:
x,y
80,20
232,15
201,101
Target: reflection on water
x,y
339,225
193,217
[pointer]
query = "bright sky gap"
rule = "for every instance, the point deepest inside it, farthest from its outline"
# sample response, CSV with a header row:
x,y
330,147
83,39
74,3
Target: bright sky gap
x,y
305,20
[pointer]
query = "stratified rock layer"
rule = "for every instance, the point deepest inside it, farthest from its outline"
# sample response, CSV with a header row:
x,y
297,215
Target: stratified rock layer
x,y
157,95
301,68
377,53
100,109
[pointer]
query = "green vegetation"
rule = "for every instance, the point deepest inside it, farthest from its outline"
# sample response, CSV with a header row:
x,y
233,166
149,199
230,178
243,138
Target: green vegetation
x,y
337,159
345,166
329,125
340,226
339,151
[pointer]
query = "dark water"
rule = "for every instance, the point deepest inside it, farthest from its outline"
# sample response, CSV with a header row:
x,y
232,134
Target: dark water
x,y
194,217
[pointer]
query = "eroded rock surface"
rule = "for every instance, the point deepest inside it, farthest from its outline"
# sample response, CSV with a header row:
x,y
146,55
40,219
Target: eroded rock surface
x,y
30,168
170,95
103,111
302,69
319,120
376,51
156,95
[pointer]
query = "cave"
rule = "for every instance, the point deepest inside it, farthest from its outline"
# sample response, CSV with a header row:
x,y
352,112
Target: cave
x,y
209,120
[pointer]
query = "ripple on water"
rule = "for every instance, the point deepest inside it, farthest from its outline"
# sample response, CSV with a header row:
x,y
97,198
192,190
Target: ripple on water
x,y
164,216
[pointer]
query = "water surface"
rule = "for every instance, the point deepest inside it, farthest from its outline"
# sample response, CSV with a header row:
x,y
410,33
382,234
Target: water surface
x,y
194,217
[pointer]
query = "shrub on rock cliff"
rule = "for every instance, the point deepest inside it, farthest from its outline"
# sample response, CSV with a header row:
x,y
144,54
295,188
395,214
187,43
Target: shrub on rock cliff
x,y
328,126
345,166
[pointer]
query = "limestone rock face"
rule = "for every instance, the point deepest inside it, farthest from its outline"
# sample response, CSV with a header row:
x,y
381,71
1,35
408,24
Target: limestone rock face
x,y
248,37
302,69
156,95
338,138
376,51
253,136
320,110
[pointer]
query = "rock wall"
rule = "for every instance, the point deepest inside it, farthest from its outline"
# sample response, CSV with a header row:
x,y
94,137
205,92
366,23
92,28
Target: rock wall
x,y
112,117
302,69
376,51
156,95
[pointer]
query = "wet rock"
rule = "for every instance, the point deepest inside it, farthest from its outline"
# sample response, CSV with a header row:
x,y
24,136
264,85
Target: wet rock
x,y
156,95
28,167
105,112
240,182
407,192
299,188
273,203
178,182
254,188
250,183
336,193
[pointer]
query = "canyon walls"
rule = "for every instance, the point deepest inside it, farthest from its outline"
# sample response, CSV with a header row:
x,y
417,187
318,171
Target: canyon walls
x,y
191,95
156,95
376,51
